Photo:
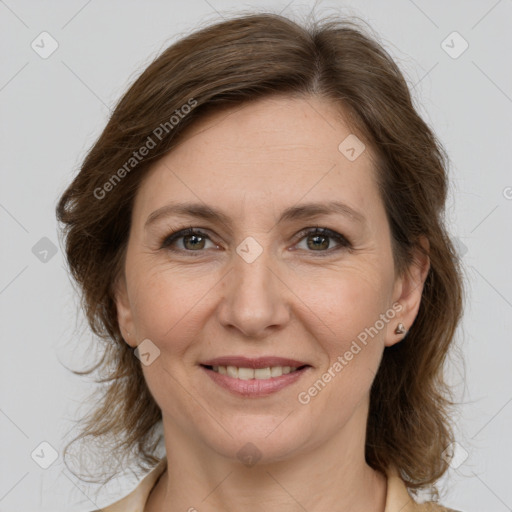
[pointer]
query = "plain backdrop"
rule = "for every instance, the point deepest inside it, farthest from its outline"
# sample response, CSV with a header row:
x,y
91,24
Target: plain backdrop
x,y
53,107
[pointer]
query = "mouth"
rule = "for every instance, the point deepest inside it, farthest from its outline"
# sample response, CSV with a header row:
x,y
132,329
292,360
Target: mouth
x,y
254,377
244,373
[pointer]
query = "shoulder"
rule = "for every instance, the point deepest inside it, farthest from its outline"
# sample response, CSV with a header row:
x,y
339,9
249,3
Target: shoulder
x,y
398,498
136,500
433,507
428,506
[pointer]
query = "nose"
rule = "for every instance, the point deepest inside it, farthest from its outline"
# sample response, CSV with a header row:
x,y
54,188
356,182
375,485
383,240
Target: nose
x,y
255,299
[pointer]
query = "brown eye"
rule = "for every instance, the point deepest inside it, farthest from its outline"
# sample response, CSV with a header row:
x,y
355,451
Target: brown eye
x,y
319,240
192,240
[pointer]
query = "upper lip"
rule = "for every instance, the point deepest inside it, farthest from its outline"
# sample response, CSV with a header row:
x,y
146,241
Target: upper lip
x,y
258,362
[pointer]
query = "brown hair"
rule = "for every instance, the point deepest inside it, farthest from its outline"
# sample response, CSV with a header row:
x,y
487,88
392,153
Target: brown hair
x,y
227,64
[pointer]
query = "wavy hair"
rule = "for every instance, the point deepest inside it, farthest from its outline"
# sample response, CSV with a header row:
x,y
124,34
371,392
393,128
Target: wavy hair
x,y
227,64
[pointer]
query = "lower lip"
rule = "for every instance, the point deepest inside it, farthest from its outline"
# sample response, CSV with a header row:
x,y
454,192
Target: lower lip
x,y
255,387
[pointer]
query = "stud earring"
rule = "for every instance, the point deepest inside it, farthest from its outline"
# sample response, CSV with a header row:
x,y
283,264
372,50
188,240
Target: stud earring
x,y
400,329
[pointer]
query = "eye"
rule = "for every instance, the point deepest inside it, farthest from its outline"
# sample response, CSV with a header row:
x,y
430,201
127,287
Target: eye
x,y
193,240
319,240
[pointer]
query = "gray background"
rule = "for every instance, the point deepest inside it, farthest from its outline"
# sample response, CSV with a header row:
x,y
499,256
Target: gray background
x,y
53,109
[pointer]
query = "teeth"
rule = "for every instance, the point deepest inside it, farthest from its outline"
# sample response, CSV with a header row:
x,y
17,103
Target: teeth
x,y
250,373
243,373
262,373
232,371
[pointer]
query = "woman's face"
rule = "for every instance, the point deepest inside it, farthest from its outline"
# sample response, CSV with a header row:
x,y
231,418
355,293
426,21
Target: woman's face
x,y
252,282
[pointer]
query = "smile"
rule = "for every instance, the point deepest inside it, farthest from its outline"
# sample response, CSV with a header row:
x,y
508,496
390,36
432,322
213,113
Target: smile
x,y
250,373
254,382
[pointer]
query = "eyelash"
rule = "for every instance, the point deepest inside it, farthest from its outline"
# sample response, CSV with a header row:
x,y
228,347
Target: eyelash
x,y
343,242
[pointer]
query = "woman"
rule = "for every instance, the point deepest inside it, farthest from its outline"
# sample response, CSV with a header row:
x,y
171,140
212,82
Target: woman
x,y
258,234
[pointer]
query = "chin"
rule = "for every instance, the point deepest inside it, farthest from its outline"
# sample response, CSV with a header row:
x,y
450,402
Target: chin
x,y
260,441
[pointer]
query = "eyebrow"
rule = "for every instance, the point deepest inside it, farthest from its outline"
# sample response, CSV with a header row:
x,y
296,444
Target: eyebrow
x,y
300,212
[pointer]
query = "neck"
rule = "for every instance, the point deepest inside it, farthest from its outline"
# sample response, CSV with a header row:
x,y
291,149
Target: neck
x,y
333,476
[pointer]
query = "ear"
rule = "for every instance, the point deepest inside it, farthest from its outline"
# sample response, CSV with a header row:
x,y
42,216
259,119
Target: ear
x,y
408,290
124,312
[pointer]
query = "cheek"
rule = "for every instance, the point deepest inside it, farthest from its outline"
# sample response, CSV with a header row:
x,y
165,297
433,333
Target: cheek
x,y
168,305
349,332
170,312
344,306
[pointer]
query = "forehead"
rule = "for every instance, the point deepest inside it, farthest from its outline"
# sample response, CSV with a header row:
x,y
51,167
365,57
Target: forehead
x,y
270,152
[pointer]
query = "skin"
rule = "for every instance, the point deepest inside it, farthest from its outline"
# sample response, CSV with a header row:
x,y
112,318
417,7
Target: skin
x,y
294,300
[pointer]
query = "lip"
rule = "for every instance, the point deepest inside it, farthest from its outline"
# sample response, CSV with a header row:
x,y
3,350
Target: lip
x,y
254,363
254,388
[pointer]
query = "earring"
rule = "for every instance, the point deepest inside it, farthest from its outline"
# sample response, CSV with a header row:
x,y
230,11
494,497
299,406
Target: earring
x,y
400,329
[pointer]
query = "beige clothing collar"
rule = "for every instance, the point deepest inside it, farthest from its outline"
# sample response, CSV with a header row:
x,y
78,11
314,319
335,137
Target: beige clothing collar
x,y
397,498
